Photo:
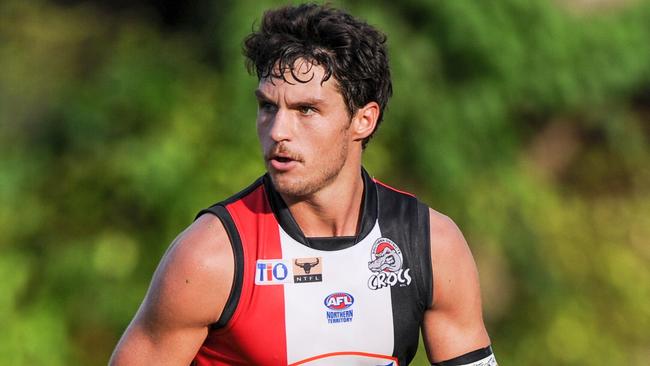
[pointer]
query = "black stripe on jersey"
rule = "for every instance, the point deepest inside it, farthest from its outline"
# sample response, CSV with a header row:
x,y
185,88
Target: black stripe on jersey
x,y
405,221
289,225
238,277
467,358
332,242
424,223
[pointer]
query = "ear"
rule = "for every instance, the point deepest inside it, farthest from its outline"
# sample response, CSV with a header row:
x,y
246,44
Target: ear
x,y
364,121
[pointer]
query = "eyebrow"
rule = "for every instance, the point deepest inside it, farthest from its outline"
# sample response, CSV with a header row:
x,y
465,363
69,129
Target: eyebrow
x,y
307,101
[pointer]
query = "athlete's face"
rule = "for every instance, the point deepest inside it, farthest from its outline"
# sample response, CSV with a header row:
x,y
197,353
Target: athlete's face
x,y
303,128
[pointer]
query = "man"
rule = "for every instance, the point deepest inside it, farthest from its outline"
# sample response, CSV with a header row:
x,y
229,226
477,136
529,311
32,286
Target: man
x,y
315,263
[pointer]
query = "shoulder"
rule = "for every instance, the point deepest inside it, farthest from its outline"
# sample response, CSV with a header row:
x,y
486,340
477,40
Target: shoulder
x,y
453,266
203,242
200,249
444,231
194,278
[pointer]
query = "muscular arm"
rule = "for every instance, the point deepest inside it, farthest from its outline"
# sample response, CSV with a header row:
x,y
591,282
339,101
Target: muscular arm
x,y
187,294
454,324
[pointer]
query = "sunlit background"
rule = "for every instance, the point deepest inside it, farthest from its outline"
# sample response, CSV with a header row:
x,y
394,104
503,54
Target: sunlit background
x,y
526,121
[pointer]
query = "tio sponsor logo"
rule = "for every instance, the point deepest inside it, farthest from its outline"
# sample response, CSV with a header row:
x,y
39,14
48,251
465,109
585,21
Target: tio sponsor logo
x,y
271,272
339,304
386,264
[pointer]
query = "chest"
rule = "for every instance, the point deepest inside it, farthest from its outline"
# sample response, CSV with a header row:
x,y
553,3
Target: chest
x,y
325,304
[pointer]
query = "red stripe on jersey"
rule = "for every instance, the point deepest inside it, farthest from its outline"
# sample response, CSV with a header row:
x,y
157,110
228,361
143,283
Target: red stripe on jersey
x,y
255,335
392,188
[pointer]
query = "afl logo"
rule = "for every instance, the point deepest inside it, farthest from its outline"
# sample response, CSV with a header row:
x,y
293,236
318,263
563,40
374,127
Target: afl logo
x,y
386,264
339,301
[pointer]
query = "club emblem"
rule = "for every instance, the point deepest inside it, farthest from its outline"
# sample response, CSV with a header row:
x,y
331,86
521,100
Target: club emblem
x,y
386,264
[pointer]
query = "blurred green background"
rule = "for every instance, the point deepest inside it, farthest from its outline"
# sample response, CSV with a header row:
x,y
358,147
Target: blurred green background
x,y
526,121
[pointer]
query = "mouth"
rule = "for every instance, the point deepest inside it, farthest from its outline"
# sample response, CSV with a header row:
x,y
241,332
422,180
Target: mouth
x,y
282,162
282,159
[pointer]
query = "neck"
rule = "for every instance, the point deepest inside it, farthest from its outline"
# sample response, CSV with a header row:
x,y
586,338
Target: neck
x,y
333,211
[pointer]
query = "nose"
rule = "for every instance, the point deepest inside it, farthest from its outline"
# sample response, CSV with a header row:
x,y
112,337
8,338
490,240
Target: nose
x,y
281,125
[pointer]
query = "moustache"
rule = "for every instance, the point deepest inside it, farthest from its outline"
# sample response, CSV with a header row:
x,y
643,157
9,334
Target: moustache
x,y
282,151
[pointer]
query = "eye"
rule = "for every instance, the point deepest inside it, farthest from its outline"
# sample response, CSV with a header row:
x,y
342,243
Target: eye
x,y
306,110
266,107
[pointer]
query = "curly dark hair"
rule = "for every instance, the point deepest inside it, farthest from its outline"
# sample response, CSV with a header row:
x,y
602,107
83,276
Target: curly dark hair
x,y
347,48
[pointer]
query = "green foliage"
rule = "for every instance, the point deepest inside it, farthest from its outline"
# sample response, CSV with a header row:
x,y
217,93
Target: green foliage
x,y
525,121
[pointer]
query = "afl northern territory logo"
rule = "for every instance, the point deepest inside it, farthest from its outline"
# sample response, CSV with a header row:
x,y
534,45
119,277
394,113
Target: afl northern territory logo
x,y
386,264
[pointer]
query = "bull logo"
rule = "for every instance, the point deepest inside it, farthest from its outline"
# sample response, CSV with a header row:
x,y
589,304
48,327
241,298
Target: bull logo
x,y
307,266
307,270
386,264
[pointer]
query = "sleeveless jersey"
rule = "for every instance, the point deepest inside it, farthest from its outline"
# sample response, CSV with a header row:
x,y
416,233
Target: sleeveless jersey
x,y
322,301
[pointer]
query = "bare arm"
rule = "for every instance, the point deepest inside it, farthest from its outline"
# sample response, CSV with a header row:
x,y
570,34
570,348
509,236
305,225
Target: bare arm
x,y
187,294
454,325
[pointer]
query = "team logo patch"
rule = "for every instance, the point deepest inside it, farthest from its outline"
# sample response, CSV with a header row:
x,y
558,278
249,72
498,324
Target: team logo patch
x,y
339,305
386,264
273,272
307,270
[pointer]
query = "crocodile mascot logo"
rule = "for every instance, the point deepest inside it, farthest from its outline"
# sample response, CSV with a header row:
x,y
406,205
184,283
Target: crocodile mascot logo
x,y
386,264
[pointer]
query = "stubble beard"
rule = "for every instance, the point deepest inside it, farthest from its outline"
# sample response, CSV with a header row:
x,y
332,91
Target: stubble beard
x,y
302,187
